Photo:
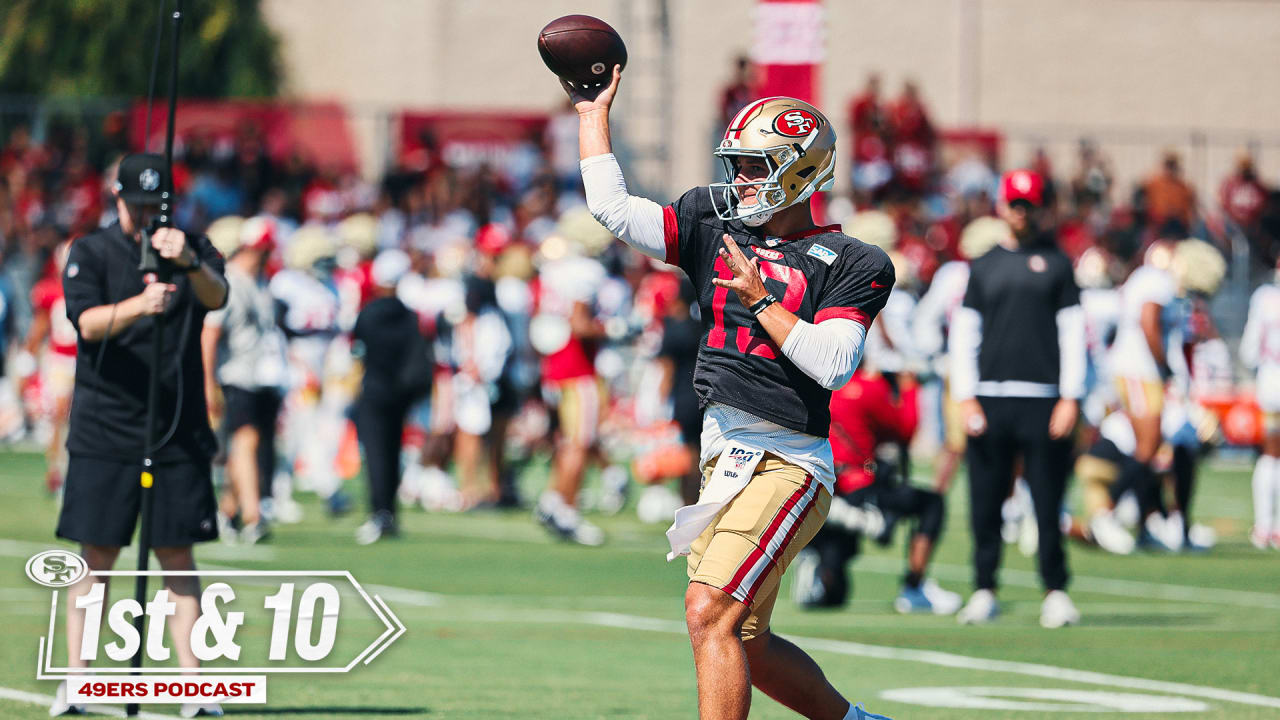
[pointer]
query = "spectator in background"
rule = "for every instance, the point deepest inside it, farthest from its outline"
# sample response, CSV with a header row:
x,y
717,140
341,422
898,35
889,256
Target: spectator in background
x,y
739,91
1244,198
913,141
21,151
1091,186
1167,195
973,175
561,141
213,195
869,124
397,372
1243,195
1042,166
250,165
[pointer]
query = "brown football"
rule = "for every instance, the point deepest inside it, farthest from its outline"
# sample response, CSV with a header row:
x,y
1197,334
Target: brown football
x,y
582,50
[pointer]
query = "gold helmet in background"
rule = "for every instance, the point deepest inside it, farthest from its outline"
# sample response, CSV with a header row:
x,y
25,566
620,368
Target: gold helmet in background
x,y
982,234
799,146
873,227
1198,267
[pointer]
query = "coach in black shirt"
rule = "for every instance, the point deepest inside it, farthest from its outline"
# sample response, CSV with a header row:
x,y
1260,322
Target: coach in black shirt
x,y
1018,372
113,308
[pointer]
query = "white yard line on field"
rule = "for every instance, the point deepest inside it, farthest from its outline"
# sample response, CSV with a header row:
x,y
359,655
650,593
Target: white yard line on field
x,y
1086,583
882,652
874,564
954,573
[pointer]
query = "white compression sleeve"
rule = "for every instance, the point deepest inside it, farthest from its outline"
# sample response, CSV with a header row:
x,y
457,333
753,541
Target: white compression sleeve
x,y
1251,341
965,339
635,220
828,352
1072,353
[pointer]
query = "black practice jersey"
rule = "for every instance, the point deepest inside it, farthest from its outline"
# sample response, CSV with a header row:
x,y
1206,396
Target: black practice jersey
x,y
817,275
1019,293
109,409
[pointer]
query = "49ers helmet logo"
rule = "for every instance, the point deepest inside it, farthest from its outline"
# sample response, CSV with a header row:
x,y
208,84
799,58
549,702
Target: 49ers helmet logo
x,y
795,123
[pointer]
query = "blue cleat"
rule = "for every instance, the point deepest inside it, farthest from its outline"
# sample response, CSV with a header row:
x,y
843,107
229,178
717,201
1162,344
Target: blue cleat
x,y
912,600
338,504
860,713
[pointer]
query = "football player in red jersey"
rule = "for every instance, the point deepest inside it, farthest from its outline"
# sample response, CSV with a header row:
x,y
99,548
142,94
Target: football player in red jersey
x,y
58,365
785,308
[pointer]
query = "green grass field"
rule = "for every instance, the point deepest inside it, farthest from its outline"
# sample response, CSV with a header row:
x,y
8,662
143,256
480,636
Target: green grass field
x,y
503,622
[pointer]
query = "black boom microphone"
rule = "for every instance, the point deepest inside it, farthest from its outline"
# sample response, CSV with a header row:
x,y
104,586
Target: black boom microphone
x,y
151,263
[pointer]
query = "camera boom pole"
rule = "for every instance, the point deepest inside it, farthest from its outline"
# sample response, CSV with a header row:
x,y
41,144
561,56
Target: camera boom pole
x,y
153,265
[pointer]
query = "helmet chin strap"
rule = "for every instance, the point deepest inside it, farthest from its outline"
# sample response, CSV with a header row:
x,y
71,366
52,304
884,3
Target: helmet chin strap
x,y
757,220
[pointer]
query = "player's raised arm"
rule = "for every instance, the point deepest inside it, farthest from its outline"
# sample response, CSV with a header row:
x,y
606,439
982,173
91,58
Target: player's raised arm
x,y
638,221
593,115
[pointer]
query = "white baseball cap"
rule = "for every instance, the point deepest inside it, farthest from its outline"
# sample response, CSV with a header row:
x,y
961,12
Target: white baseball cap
x,y
389,267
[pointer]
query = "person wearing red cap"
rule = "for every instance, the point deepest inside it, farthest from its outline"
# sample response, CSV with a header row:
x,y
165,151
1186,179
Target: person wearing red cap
x,y
245,366
1018,372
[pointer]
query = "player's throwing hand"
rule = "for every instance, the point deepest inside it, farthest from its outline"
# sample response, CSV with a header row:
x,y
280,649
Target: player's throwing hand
x,y
585,103
746,281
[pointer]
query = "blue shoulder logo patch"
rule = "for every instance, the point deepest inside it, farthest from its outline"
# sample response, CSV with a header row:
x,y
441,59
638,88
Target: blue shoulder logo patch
x,y
823,253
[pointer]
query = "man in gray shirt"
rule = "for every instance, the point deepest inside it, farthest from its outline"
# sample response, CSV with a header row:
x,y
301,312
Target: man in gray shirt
x,y
245,368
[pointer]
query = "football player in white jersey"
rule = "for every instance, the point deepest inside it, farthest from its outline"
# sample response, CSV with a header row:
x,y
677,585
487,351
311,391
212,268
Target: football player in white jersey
x,y
1139,356
1201,367
932,323
566,331
1102,305
312,417
891,345
1260,350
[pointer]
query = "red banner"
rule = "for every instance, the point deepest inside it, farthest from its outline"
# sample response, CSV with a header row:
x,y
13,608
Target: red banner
x,y
468,139
788,49
319,131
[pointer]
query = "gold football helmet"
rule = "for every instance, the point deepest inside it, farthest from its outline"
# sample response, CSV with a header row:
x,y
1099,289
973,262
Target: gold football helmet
x,y
794,139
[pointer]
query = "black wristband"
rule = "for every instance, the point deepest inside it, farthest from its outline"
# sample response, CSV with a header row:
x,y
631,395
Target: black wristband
x,y
196,263
758,306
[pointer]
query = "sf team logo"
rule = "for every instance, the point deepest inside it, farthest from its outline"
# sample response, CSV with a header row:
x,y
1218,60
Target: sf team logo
x,y
1037,264
149,180
1021,181
795,123
767,254
57,568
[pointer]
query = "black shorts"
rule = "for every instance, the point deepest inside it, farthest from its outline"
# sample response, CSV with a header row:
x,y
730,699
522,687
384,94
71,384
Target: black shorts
x,y
258,408
102,498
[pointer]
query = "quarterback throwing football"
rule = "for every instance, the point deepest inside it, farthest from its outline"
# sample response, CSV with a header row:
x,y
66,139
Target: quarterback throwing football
x,y
786,306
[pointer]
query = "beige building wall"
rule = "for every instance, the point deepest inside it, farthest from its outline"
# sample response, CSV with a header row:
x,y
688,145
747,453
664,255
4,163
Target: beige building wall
x,y
1136,74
